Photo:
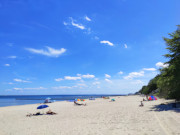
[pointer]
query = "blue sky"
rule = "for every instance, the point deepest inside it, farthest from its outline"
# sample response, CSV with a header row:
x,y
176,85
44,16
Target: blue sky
x,y
82,47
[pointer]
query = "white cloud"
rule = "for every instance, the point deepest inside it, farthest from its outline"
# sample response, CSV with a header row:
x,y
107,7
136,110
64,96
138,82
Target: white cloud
x,y
58,79
87,18
23,81
62,87
65,23
88,76
107,80
134,75
38,88
10,83
82,85
149,69
125,46
17,89
107,76
137,82
120,72
107,42
96,83
7,65
80,26
71,78
162,65
12,57
51,52
96,38
88,31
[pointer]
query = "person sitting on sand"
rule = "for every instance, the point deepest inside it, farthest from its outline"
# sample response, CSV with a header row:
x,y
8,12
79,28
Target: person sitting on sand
x,y
141,105
29,115
75,103
50,112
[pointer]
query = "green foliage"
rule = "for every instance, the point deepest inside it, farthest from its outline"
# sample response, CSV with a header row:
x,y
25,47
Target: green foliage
x,y
168,81
152,86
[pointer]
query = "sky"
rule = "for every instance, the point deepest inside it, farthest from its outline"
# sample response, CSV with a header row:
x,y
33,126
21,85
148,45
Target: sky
x,y
83,46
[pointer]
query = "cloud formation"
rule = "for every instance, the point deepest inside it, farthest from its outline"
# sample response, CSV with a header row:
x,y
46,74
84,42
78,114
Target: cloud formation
x,y
78,77
51,52
120,72
96,83
80,26
72,78
162,65
7,65
107,80
107,76
62,87
149,69
38,88
17,89
87,18
125,46
107,42
87,76
58,79
134,75
22,81
65,23
137,82
12,57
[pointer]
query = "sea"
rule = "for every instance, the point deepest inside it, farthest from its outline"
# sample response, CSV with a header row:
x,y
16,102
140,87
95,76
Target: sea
x,y
15,100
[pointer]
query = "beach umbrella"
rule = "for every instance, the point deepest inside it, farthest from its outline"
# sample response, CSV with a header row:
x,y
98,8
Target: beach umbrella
x,y
42,106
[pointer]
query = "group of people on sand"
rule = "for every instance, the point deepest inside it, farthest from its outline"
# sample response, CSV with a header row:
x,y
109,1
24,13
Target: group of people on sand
x,y
141,102
38,113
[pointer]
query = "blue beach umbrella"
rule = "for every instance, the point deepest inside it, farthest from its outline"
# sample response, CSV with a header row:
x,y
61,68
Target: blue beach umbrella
x,y
42,106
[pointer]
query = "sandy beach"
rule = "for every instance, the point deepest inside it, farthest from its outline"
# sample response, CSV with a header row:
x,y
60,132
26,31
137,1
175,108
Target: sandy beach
x,y
99,117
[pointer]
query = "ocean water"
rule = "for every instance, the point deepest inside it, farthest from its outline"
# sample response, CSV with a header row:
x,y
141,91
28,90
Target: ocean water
x,y
34,99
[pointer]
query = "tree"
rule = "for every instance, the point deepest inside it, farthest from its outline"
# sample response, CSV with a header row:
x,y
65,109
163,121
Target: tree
x,y
169,80
152,86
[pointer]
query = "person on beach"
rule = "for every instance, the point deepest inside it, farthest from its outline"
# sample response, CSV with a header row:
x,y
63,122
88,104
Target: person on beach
x,y
75,103
50,112
141,105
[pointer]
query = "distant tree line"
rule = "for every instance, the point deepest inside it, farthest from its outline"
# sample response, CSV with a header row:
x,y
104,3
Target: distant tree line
x,y
167,83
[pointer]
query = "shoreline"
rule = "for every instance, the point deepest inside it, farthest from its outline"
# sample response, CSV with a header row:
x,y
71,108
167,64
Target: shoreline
x,y
23,101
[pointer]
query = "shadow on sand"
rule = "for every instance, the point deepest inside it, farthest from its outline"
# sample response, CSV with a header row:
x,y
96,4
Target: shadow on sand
x,y
167,107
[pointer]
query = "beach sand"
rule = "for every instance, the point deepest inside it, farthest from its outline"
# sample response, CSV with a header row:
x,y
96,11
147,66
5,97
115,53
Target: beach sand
x,y
99,117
